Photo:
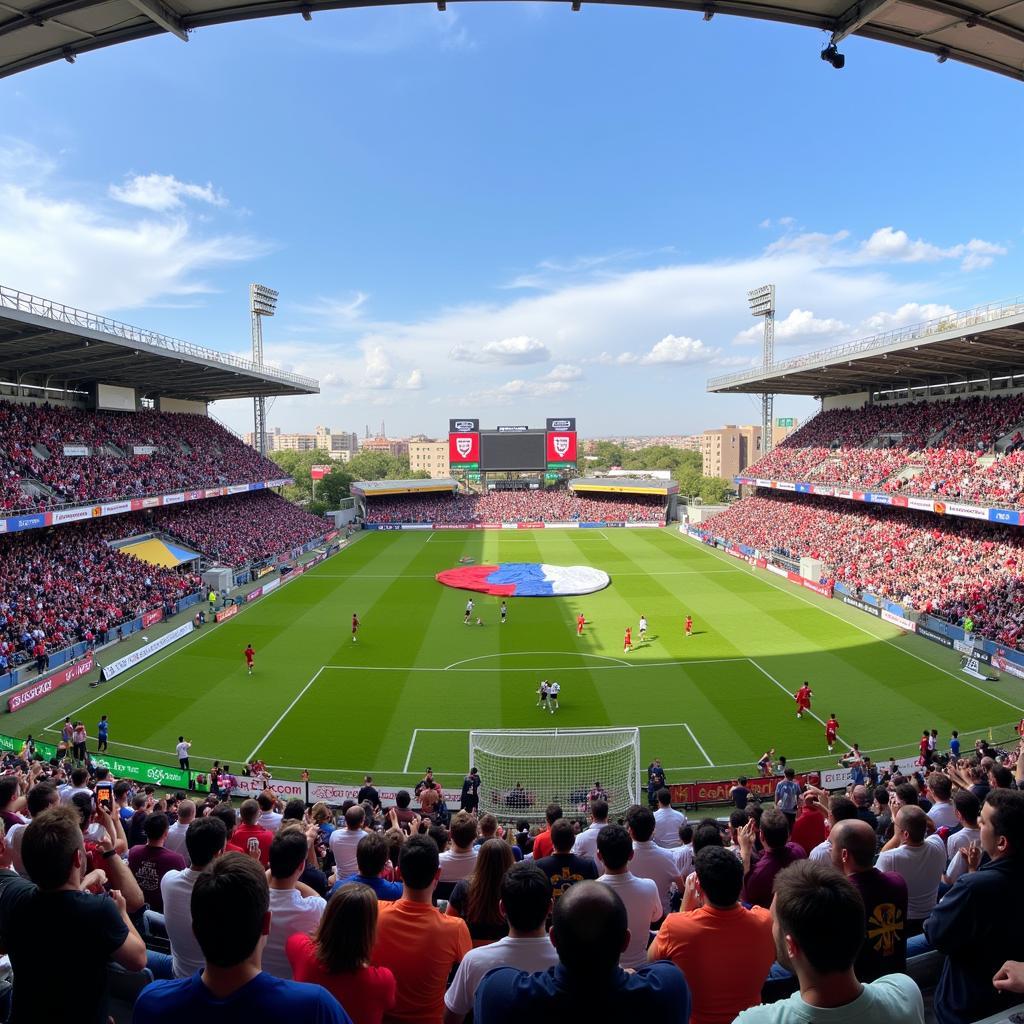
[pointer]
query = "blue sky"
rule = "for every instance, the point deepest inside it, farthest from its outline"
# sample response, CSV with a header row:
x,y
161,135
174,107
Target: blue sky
x,y
511,210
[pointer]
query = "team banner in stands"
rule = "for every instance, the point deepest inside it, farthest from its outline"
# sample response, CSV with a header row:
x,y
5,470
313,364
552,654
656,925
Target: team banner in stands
x,y
115,668
899,620
149,618
226,613
718,792
42,688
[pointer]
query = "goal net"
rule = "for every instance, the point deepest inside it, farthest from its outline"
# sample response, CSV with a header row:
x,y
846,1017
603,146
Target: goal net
x,y
524,770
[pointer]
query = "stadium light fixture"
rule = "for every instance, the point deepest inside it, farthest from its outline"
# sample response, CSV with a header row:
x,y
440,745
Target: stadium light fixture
x,y
262,302
762,304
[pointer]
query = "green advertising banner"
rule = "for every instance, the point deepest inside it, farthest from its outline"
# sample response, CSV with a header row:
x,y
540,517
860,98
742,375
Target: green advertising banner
x,y
120,767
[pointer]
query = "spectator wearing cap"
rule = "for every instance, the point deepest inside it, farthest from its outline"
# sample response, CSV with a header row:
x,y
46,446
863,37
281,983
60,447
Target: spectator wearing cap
x,y
231,918
977,922
649,859
589,932
526,903
884,894
703,938
818,926
206,839
54,903
419,945
639,895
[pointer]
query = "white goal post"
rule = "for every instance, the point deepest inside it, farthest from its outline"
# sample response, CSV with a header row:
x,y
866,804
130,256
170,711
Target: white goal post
x,y
524,770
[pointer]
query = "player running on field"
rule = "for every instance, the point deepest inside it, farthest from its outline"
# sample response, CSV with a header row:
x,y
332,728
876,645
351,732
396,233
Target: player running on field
x,y
831,731
764,766
627,640
642,629
581,622
250,654
504,612
803,699
469,612
355,626
689,625
553,691
542,694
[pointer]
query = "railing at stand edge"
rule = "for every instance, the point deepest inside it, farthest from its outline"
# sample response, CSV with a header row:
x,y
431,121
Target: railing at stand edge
x,y
974,317
24,302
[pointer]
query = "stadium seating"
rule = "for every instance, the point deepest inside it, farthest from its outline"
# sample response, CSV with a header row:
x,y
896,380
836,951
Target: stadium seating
x,y
189,451
514,506
941,449
949,568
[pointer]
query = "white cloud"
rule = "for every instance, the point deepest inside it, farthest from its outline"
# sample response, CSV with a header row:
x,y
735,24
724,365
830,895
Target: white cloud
x,y
564,371
515,351
163,192
800,323
678,350
908,313
378,374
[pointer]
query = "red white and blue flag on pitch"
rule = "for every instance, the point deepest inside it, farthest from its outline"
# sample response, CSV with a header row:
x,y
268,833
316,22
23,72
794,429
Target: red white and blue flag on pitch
x,y
526,579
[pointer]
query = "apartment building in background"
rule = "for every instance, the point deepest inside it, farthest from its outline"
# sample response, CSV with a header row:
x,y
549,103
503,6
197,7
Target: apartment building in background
x,y
430,457
341,446
728,450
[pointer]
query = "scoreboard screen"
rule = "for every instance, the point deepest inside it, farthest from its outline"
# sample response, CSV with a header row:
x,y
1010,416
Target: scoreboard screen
x,y
523,451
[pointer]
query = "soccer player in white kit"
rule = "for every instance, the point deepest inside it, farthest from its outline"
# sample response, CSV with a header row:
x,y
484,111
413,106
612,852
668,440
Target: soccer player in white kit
x,y
469,612
542,694
553,691
643,628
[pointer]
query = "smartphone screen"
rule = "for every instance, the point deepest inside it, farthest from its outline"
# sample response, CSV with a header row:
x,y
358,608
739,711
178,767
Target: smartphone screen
x,y
105,796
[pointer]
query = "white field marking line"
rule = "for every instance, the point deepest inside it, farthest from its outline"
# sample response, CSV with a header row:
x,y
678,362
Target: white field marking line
x,y
567,668
711,763
134,746
412,743
529,654
766,673
429,539
284,714
874,636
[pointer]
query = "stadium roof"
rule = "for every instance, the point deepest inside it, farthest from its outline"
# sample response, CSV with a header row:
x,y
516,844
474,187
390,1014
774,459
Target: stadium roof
x,y
973,345
988,34
48,343
370,488
624,485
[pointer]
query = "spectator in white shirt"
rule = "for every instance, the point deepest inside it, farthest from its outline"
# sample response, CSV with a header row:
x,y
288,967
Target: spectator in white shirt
x,y
206,839
526,902
649,859
41,796
459,862
684,852
840,808
640,895
918,860
79,778
176,834
294,907
269,818
667,821
344,842
586,841
968,807
942,811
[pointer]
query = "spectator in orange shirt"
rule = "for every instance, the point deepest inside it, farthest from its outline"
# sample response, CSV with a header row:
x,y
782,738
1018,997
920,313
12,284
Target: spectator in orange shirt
x,y
704,939
417,943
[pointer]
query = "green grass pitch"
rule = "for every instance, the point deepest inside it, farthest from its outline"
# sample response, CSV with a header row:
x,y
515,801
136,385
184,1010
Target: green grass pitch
x,y
418,679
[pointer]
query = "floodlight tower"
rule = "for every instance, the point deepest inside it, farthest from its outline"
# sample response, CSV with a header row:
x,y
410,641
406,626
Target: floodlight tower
x,y
762,303
262,302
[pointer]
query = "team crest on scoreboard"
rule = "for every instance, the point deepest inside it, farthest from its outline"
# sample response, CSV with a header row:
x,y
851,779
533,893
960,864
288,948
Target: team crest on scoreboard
x,y
464,445
561,445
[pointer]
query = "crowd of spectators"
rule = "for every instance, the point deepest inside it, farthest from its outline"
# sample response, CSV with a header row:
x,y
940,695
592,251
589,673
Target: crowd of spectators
x,y
809,907
951,568
65,585
184,451
927,449
515,507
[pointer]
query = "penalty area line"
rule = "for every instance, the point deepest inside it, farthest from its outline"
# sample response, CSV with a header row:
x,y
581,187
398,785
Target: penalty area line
x,y
711,763
284,714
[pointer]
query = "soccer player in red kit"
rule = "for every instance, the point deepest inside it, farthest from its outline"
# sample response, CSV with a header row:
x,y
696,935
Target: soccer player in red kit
x,y
627,642
923,747
355,626
831,731
689,625
803,699
249,655
580,623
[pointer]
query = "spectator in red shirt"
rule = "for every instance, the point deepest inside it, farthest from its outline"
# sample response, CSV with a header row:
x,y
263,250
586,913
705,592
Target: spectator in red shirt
x,y
250,837
542,844
811,827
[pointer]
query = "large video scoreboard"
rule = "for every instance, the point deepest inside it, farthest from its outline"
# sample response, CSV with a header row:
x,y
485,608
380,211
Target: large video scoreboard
x,y
512,447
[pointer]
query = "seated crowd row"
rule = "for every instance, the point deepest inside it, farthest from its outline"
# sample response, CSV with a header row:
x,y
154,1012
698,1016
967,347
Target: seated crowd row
x,y
66,584
940,449
955,569
789,913
515,506
183,451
